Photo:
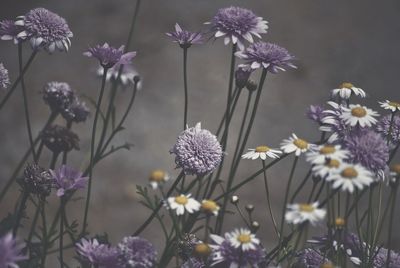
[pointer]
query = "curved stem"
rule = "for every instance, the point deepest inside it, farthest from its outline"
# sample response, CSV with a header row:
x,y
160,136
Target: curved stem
x,y
269,199
185,85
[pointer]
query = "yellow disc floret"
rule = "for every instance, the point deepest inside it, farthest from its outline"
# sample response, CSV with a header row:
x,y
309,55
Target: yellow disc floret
x,y
262,149
300,143
181,200
358,112
349,173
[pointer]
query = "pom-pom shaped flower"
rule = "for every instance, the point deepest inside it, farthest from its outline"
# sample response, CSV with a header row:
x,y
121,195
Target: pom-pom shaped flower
x,y
36,180
310,258
58,95
4,78
186,245
262,152
10,252
315,113
346,90
45,29
182,202
348,177
269,56
389,128
358,115
59,139
77,112
10,31
136,252
67,179
127,76
295,145
390,105
197,151
100,255
110,56
237,24
184,38
380,258
158,177
299,213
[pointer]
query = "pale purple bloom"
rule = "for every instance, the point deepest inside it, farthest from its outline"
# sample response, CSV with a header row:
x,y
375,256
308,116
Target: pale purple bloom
x,y
383,127
185,38
58,95
10,252
101,255
136,252
67,178
269,56
45,29
310,258
380,259
315,113
77,112
110,56
237,24
197,151
4,78
9,31
193,263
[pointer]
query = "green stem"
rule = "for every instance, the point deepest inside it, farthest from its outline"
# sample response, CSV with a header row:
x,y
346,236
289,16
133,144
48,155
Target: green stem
x,y
391,217
185,85
20,212
44,235
61,239
271,213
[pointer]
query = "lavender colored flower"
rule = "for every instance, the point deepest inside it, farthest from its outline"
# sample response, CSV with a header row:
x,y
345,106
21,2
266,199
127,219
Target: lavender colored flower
x,y
315,113
242,76
193,263
367,148
45,29
10,252
197,151
100,255
4,78
383,127
77,112
10,31
58,95
269,56
380,259
66,179
237,24
110,56
36,180
184,38
310,258
59,139
127,77
136,252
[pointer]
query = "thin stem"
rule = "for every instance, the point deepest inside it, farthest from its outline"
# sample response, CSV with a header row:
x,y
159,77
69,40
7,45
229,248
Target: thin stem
x,y
33,225
61,239
20,212
185,85
391,217
271,213
44,235
300,186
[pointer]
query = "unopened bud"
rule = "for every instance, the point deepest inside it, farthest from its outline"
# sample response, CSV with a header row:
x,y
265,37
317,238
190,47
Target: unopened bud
x,y
251,85
234,199
250,208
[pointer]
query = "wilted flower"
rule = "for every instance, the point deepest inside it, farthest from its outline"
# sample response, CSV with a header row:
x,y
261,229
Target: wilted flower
x,y
58,95
127,76
67,179
185,38
262,152
296,145
210,207
390,105
197,151
110,56
346,90
158,177
45,29
186,245
77,112
237,24
59,139
390,129
10,31
322,153
299,213
36,180
310,258
183,202
4,78
100,255
10,252
315,113
350,176
358,115
269,56
136,252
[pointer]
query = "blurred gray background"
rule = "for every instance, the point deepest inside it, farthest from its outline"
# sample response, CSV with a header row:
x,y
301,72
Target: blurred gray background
x,y
333,41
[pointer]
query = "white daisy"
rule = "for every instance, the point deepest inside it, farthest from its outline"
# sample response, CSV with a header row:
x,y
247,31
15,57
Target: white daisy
x,y
324,169
357,114
299,213
390,105
296,145
350,176
183,202
262,152
345,90
242,238
210,207
158,177
321,153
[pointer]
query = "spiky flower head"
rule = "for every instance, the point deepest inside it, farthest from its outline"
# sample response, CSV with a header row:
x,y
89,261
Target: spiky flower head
x,y
269,56
186,245
381,259
77,112
4,78
310,258
197,151
45,29
36,180
184,38
110,56
10,31
10,252
99,255
136,252
237,24
66,179
58,95
389,128
315,113
59,139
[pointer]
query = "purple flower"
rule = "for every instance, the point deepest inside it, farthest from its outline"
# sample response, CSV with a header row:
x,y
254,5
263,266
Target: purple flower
x,y
193,263
197,151
269,56
9,31
310,258
58,95
77,112
66,179
237,24
101,255
380,259
45,29
110,56
383,127
10,252
59,139
185,38
315,113
136,252
4,78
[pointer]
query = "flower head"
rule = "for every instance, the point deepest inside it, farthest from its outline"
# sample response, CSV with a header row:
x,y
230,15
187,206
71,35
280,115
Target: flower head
x,y
242,238
262,152
242,76
10,31
136,252
158,177
322,170
126,78
10,252
36,180
67,178
350,176
295,145
269,56
315,113
210,207
182,202
4,78
390,105
299,213
321,154
346,90
185,38
237,24
101,255
389,129
59,139
186,245
359,115
110,56
45,29
77,112
58,95
197,151
381,258
310,258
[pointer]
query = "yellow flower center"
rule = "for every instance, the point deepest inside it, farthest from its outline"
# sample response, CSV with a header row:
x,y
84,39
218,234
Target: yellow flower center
x,y
358,112
346,85
202,250
327,265
395,168
394,104
306,208
349,173
300,143
181,200
244,238
327,149
340,222
157,176
262,149
333,163
209,206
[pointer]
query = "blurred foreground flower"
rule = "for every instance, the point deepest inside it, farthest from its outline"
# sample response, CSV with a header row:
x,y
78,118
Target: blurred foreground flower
x,y
10,252
299,213
67,179
346,90
183,202
4,78
110,56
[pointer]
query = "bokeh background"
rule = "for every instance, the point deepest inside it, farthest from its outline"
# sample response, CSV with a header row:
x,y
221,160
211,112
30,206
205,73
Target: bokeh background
x,y
333,41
